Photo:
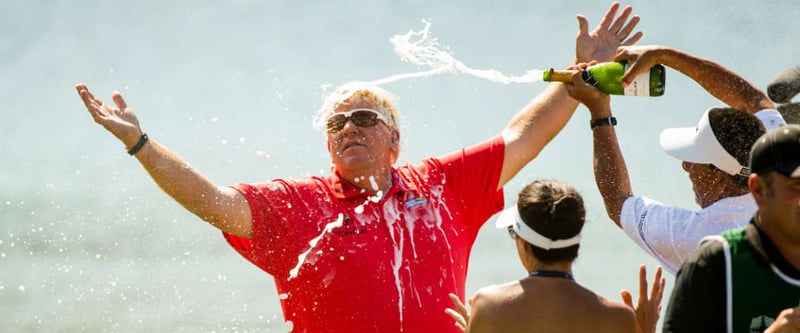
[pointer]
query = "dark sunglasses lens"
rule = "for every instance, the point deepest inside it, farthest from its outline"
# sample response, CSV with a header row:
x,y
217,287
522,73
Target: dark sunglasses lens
x,y
336,123
364,118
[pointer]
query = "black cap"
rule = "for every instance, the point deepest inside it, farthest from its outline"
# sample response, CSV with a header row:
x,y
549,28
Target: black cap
x,y
777,150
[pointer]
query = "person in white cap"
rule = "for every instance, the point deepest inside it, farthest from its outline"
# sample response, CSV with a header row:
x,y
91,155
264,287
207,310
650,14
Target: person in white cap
x,y
713,153
748,279
546,226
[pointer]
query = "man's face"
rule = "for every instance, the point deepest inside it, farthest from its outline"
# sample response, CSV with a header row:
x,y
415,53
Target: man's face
x,y
360,149
704,179
779,203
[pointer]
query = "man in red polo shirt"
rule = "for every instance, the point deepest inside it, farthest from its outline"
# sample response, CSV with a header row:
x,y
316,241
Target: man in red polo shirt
x,y
371,247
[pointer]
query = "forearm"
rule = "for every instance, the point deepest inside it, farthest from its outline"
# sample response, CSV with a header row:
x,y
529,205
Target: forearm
x,y
223,207
610,171
718,80
531,129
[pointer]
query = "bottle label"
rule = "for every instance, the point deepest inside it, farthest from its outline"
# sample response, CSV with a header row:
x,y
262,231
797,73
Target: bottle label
x,y
640,85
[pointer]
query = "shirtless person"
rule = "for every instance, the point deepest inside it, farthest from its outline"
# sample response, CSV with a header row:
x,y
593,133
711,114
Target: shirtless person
x,y
546,226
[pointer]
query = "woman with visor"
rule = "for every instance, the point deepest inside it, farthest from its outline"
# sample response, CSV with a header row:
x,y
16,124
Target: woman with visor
x,y
546,226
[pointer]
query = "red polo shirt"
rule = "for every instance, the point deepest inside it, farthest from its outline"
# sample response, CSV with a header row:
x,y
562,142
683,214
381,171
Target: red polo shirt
x,y
344,260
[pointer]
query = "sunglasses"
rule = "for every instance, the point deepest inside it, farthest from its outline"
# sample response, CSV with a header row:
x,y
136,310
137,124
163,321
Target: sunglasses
x,y
512,234
359,117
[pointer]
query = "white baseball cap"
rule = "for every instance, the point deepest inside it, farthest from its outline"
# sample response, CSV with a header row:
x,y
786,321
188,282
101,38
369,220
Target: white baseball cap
x,y
700,145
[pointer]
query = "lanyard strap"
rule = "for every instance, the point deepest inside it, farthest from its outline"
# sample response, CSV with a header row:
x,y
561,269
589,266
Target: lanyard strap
x,y
552,274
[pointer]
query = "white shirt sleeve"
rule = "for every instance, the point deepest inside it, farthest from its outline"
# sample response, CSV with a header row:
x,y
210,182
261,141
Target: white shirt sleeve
x,y
658,229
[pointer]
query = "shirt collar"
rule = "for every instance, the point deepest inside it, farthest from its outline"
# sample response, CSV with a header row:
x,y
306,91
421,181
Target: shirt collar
x,y
343,189
767,251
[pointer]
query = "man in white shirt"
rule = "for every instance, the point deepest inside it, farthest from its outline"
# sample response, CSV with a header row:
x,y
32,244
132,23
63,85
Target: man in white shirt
x,y
714,154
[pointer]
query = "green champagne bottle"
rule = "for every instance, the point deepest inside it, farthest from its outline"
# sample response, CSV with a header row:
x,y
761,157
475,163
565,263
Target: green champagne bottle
x,y
607,77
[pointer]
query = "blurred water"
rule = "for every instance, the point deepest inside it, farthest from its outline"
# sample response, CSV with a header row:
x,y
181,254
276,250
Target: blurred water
x,y
89,243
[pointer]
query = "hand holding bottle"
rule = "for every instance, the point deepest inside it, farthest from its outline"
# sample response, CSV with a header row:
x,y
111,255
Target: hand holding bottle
x,y
640,60
607,77
595,100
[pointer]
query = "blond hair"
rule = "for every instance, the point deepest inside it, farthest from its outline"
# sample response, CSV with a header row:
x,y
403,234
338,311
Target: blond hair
x,y
354,92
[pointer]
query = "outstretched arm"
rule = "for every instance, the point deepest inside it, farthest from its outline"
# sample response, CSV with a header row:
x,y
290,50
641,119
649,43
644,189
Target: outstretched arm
x,y
223,207
719,81
532,128
610,171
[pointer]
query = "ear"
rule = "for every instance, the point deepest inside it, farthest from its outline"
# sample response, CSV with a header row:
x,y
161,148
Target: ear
x,y
395,142
525,254
757,188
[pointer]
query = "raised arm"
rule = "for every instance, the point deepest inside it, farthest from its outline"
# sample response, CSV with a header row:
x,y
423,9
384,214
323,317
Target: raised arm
x,y
538,122
719,81
223,207
610,171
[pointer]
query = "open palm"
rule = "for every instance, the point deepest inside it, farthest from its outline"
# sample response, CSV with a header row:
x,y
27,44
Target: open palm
x,y
601,43
120,120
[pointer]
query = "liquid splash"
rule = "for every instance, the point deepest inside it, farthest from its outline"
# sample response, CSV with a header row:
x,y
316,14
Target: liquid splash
x,y
313,243
421,48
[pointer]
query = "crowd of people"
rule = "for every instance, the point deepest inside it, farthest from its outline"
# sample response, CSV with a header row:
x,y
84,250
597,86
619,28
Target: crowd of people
x,y
397,238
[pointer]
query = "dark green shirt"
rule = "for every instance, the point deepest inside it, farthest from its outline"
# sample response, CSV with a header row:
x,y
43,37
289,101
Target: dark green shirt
x,y
762,284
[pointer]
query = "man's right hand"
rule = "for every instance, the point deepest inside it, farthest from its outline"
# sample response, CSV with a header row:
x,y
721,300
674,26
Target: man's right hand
x,y
120,120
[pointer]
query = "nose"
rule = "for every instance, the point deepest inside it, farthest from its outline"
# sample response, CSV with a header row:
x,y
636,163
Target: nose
x,y
348,125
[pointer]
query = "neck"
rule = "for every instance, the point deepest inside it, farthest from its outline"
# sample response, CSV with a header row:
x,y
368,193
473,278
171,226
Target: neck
x,y
721,191
561,266
787,245
370,181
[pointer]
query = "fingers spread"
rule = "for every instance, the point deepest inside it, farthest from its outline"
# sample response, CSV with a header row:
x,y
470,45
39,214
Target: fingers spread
x,y
583,24
627,298
625,31
636,37
457,302
609,17
642,281
119,101
623,17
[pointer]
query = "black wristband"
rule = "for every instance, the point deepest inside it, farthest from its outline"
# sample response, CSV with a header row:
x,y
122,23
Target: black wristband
x,y
603,122
139,145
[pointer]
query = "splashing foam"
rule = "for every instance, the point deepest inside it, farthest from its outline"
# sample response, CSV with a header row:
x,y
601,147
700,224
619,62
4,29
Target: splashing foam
x,y
313,243
420,48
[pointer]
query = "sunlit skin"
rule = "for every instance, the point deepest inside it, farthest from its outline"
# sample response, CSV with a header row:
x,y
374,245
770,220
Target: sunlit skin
x,y
706,182
531,264
364,155
778,198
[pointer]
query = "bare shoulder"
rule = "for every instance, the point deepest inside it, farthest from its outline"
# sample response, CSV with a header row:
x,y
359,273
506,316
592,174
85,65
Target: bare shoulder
x,y
493,306
619,316
494,296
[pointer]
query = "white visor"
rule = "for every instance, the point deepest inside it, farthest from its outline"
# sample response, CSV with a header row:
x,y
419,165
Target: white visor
x,y
771,119
699,145
510,218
